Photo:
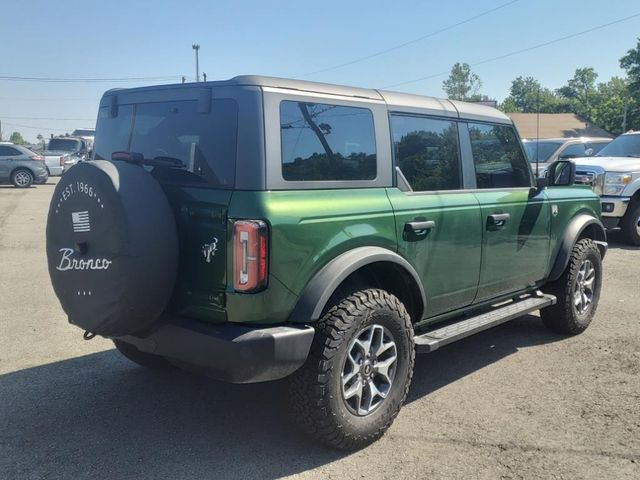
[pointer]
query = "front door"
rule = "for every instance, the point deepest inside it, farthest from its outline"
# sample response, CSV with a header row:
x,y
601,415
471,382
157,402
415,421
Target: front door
x,y
438,224
515,216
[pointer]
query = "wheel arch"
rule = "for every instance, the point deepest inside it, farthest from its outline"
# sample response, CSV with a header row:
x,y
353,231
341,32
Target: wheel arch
x,y
581,226
22,167
371,266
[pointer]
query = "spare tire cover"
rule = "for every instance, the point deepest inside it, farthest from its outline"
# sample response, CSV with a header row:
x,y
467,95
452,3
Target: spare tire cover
x,y
112,247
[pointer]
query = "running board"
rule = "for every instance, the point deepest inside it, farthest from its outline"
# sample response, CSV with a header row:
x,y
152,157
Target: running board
x,y
430,341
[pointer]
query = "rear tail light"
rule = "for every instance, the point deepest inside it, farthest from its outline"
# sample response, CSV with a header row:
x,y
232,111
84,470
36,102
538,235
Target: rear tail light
x,y
37,158
250,255
62,161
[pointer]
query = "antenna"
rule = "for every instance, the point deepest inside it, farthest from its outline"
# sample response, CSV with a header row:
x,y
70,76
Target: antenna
x,y
538,134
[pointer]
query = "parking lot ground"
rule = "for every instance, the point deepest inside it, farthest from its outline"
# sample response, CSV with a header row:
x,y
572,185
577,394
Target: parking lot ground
x,y
512,402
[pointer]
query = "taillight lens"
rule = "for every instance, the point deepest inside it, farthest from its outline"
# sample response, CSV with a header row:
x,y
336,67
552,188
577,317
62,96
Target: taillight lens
x,y
62,161
37,158
250,255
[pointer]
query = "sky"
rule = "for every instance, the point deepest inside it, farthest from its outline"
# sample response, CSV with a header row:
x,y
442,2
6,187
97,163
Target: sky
x,y
295,39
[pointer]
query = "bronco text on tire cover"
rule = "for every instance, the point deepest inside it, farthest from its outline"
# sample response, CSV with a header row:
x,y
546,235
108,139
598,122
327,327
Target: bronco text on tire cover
x,y
112,247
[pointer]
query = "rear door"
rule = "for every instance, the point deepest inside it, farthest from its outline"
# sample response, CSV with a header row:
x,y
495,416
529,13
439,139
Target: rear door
x,y
5,157
515,216
438,223
189,146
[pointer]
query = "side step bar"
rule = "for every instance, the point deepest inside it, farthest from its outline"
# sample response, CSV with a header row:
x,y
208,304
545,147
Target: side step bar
x,y
430,341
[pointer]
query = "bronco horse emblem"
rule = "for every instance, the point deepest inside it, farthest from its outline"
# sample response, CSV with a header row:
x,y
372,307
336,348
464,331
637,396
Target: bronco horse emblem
x,y
209,249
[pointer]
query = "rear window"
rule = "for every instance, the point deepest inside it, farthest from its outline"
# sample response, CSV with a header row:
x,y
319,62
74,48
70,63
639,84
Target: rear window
x,y
326,142
196,148
64,145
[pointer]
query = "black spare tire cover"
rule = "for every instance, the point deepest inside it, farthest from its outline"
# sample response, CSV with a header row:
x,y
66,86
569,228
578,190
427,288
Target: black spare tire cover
x,y
112,247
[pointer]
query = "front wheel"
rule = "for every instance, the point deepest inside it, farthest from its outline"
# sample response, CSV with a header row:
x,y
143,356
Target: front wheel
x,y
631,223
358,372
577,291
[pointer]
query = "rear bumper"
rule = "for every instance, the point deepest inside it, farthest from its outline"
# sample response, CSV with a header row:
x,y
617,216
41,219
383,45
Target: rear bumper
x,y
229,352
41,177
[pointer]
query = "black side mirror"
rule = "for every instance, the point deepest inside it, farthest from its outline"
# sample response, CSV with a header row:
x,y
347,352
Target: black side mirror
x,y
561,173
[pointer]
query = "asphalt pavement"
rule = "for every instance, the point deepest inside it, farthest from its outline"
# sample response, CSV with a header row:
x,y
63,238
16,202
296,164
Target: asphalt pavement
x,y
513,402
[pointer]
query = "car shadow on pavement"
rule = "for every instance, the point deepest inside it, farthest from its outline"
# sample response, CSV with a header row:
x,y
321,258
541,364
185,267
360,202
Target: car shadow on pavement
x,y
100,416
457,360
617,241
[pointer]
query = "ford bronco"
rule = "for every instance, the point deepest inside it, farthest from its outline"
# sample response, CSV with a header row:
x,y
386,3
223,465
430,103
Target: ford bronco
x,y
262,228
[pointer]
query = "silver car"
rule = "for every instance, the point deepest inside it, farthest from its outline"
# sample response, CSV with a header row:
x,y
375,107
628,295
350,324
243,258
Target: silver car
x,y
21,166
548,150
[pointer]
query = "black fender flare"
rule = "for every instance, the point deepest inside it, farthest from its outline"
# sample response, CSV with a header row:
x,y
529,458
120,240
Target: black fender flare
x,y
571,235
316,294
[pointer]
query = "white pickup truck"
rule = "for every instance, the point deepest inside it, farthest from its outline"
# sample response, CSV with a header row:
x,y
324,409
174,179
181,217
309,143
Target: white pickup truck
x,y
64,152
614,174
54,162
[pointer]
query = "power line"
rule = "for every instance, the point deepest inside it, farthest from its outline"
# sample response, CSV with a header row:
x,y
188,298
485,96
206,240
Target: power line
x,y
42,129
16,78
523,50
410,42
48,118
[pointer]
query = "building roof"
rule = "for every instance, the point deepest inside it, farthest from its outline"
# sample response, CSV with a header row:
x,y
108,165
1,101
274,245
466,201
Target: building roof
x,y
555,125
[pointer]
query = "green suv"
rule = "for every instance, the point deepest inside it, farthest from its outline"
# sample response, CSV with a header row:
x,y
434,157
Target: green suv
x,y
262,228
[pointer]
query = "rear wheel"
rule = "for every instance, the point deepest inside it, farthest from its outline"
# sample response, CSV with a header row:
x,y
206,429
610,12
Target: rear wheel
x,y
358,372
22,178
144,359
577,291
631,223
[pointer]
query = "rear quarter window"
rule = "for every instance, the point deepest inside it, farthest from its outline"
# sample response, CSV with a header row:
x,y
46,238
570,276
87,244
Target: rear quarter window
x,y
326,142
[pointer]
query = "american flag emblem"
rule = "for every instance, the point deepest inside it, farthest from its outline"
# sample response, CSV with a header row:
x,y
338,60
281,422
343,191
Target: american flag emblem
x,y
80,222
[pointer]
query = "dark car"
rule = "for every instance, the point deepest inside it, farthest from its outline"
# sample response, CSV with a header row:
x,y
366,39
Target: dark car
x,y
21,166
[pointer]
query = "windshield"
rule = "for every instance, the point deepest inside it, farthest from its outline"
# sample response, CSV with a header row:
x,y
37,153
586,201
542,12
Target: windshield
x,y
201,146
541,150
623,146
63,145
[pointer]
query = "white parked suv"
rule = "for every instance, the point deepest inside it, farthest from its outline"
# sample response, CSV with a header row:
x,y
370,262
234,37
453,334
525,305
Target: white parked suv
x,y
614,174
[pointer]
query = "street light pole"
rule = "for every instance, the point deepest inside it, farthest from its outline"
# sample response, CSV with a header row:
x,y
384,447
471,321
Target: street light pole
x,y
196,47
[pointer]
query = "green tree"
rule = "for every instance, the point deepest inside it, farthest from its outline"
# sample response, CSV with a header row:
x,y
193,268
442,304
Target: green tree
x,y
631,64
581,91
16,138
462,83
608,105
526,95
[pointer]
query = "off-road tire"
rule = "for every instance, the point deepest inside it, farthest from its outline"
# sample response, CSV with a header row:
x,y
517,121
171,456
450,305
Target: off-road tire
x,y
315,390
629,223
148,360
19,174
564,317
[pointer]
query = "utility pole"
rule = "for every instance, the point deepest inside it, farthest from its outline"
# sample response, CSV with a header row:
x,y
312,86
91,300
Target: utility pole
x,y
624,116
196,47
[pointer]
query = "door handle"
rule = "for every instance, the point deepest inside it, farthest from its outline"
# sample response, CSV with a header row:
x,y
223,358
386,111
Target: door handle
x,y
420,228
497,221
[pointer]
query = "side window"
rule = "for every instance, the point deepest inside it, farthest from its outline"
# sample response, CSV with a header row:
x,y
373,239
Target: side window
x,y
6,151
326,142
426,150
573,151
498,157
